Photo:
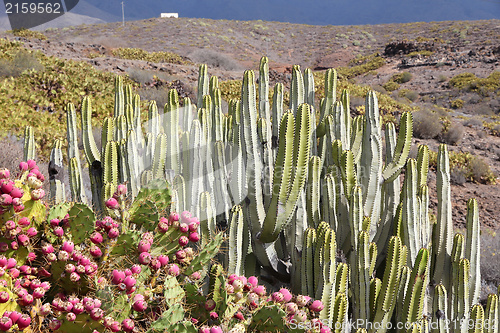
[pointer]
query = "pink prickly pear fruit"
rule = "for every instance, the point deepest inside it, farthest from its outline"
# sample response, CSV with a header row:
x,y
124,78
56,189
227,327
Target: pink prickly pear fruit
x,y
302,300
59,231
19,207
14,315
163,259
10,225
78,308
128,325
88,304
129,281
113,233
4,173
194,237
38,293
27,300
23,166
238,315
253,281
96,313
214,315
316,306
138,297
31,232
260,290
115,326
112,203
162,227
4,296
23,239
74,277
136,269
183,241
155,264
47,248
14,245
291,308
70,316
4,247
6,186
14,273
215,329
174,217
140,305
195,276
55,222
5,200
5,323
95,251
210,305
325,329
287,295
193,226
174,270
25,270
31,164
45,309
55,324
118,276
144,246
121,190
204,329
96,238
144,258
16,193
63,255
37,194
68,246
23,222
183,227
11,262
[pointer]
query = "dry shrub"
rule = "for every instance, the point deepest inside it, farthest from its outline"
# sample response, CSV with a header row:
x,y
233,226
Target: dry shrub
x,y
214,59
454,134
143,76
490,256
473,122
160,95
22,61
426,124
480,170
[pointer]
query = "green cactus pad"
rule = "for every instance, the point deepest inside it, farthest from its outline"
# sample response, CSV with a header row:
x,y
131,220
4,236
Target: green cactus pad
x,y
81,221
146,215
82,324
173,292
205,255
168,318
157,191
126,243
268,318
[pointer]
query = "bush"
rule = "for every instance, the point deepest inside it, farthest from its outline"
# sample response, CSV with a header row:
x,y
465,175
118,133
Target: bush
x,y
473,123
214,59
25,33
143,76
140,54
22,61
480,171
390,86
426,124
410,94
470,82
454,134
457,103
402,77
490,256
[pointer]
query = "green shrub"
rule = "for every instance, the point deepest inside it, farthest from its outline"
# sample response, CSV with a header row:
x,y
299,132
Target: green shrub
x,y
361,66
402,77
22,61
426,124
423,53
457,103
410,94
29,34
140,54
454,134
390,86
470,82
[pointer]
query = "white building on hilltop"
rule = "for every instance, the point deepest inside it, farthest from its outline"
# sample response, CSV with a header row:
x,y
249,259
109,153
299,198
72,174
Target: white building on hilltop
x,y
175,15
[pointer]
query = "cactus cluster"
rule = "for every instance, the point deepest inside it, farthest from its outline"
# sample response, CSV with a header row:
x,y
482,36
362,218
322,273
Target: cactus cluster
x,y
304,197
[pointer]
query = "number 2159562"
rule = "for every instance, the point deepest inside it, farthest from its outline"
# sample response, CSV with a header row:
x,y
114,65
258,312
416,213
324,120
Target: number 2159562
x,y
33,8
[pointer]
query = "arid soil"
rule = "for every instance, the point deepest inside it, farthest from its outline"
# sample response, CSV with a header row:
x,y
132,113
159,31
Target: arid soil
x,y
432,52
